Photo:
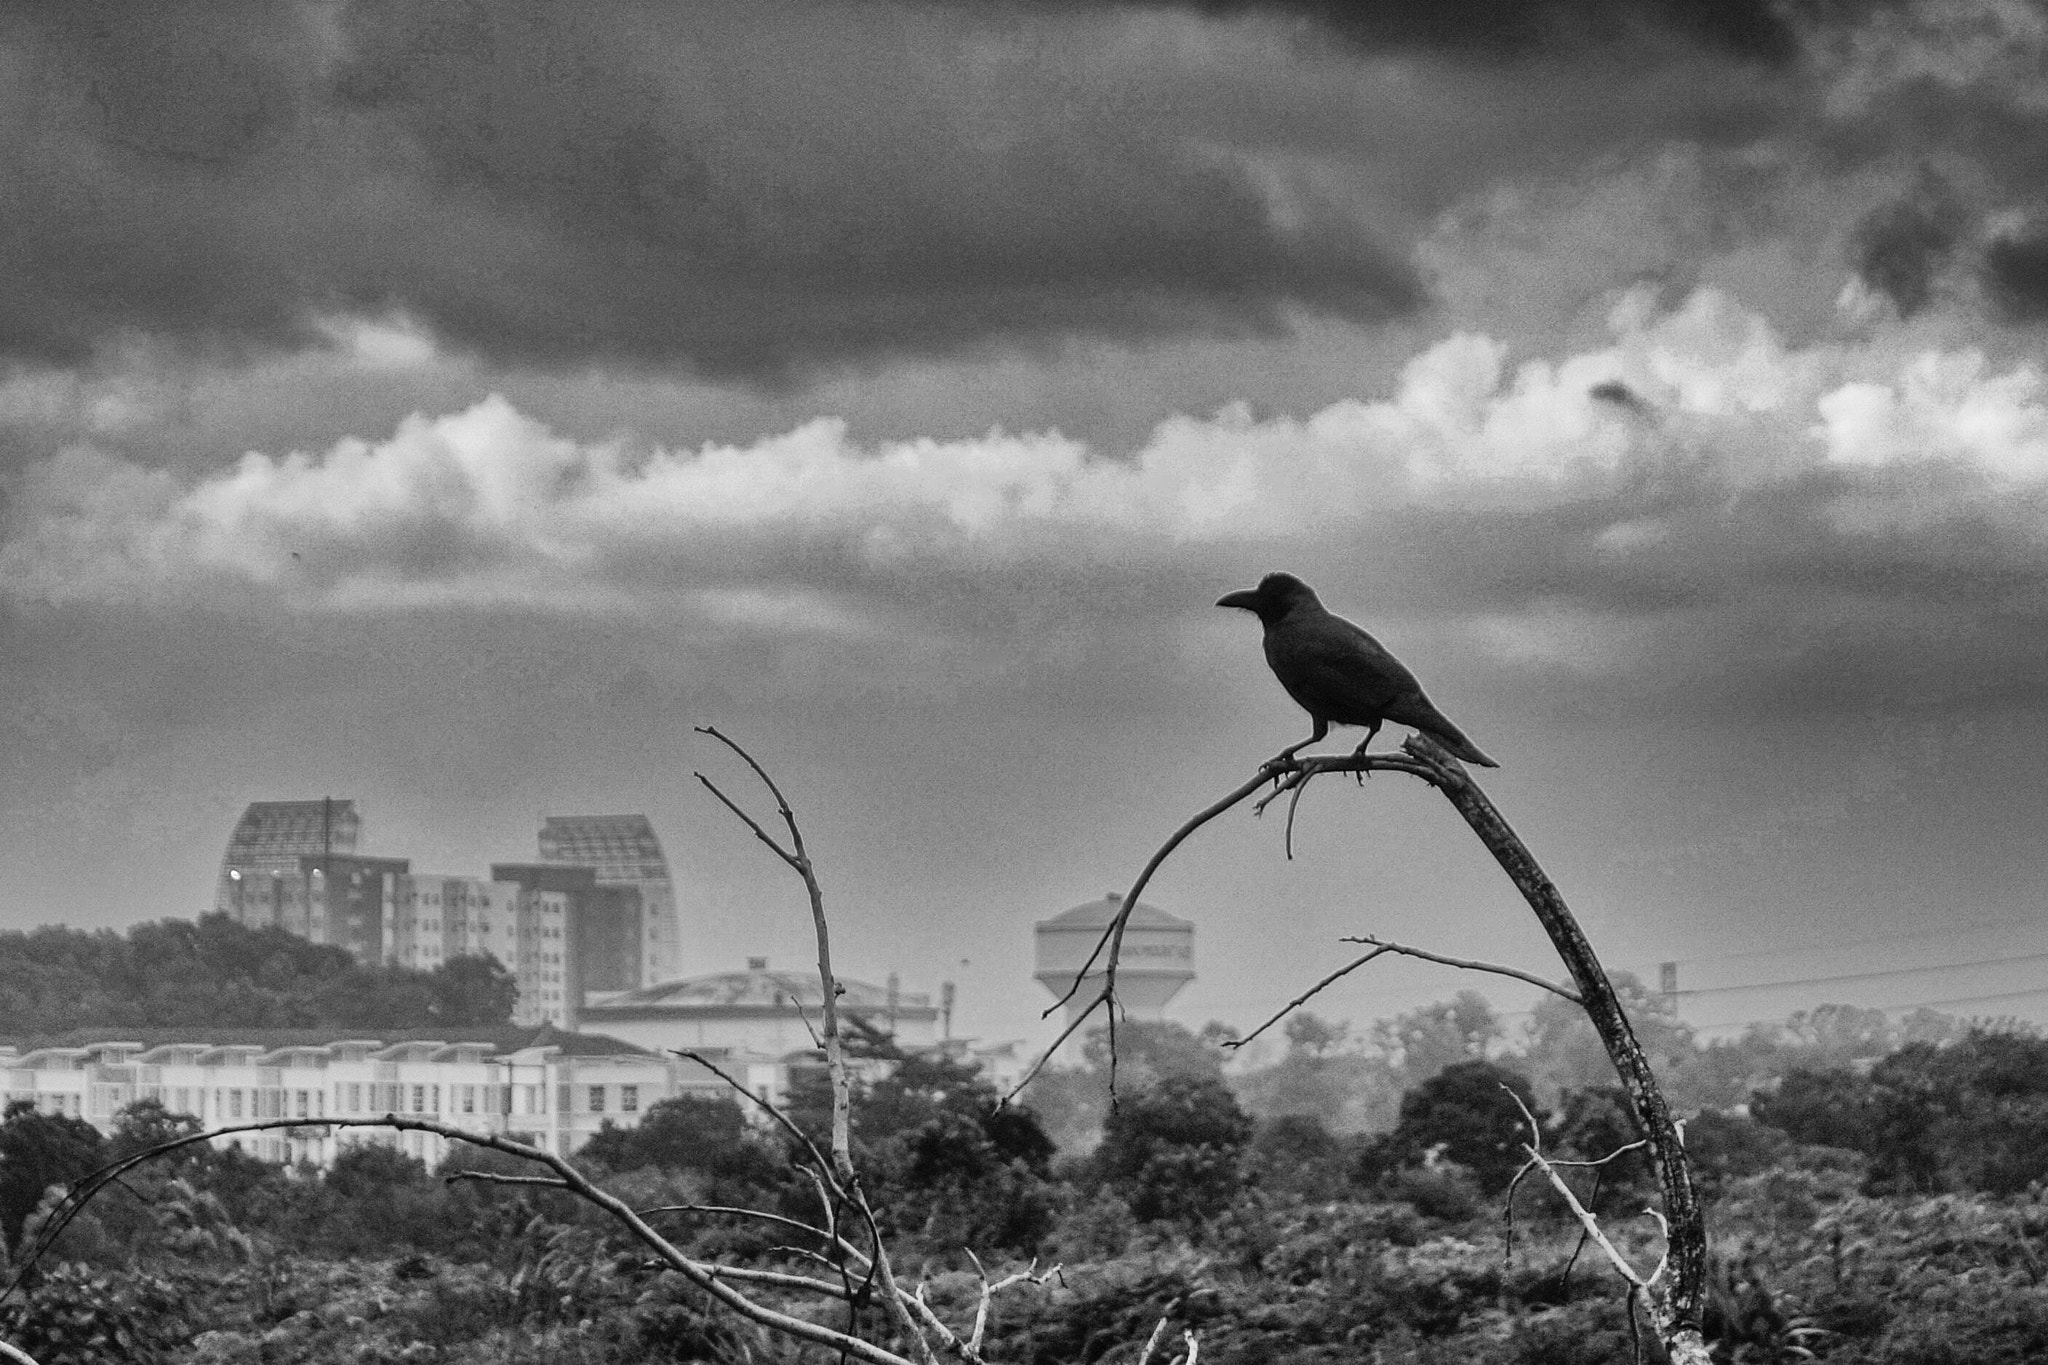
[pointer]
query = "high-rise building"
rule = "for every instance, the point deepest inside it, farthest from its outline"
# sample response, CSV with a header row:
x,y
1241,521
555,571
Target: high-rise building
x,y
624,852
349,900
269,840
600,951
596,917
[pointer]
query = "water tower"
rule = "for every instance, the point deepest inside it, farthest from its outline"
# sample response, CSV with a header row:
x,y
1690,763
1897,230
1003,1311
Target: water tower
x,y
1158,955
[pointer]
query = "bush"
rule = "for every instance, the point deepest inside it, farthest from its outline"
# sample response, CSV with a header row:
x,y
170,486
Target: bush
x,y
1174,1151
1464,1114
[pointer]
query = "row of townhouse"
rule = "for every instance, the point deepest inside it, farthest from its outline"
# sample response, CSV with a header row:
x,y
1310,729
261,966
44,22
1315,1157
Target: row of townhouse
x,y
551,1088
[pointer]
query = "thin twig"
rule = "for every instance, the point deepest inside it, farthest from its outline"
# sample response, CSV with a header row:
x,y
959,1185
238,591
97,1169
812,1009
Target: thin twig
x,y
766,1217
1298,1001
1112,938
16,1354
498,1178
799,860
1469,964
767,1107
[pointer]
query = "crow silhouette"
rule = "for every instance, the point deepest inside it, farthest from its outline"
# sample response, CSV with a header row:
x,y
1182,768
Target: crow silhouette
x,y
1337,672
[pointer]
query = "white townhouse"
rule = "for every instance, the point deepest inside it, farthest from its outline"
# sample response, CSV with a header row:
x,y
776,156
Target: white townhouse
x,y
552,1088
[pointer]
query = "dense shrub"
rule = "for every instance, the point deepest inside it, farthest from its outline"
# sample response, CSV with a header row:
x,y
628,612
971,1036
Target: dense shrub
x,y
1464,1114
1175,1150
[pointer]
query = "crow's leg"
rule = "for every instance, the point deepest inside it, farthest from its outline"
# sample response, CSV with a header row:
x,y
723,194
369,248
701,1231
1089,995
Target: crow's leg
x,y
1359,752
1322,729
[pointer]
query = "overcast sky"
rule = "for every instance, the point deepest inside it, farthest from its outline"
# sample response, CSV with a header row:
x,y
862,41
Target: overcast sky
x,y
447,405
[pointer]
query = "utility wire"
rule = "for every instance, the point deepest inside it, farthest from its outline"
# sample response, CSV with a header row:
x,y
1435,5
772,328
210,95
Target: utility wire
x,y
1865,976
1945,931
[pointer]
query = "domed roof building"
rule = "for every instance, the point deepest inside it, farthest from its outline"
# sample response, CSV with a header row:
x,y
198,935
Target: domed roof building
x,y
757,1012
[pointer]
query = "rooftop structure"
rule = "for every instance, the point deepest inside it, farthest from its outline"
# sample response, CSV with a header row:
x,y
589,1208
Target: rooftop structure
x,y
758,1010
624,852
272,836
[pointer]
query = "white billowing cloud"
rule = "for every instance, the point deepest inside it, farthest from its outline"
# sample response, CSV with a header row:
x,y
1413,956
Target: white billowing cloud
x,y
1943,407
488,505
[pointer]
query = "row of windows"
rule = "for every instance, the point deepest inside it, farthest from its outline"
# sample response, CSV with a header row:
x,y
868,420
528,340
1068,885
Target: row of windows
x,y
353,1098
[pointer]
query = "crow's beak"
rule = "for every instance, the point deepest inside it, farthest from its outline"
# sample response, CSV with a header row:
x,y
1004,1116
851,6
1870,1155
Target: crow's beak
x,y
1247,599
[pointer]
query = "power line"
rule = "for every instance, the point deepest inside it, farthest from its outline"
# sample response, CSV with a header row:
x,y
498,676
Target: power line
x,y
1911,1005
1866,976
1945,931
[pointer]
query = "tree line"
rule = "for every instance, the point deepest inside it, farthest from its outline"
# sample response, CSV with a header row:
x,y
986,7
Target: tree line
x,y
215,972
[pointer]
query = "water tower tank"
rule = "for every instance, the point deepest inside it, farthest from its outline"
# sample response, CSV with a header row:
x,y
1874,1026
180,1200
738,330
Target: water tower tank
x,y
1158,955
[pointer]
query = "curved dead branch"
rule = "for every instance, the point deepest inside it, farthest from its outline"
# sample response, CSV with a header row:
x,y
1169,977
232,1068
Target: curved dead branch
x,y
1679,1309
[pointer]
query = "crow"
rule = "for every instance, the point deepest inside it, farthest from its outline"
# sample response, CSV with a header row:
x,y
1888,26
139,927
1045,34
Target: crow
x,y
1337,672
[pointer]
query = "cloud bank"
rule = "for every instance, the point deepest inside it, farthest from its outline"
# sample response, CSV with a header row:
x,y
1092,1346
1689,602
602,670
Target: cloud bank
x,y
1698,479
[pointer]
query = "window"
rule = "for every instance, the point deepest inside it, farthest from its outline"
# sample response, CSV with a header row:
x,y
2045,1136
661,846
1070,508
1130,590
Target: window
x,y
302,1104
234,1104
355,1097
597,1099
419,1099
629,1098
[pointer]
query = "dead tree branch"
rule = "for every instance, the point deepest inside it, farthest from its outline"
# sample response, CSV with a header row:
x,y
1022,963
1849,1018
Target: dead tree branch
x,y
1471,965
799,861
1679,1311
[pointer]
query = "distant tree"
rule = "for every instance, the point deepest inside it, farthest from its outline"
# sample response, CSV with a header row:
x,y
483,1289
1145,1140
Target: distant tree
x,y
1071,1103
1424,1041
1966,1116
1323,1077
472,991
1821,1108
700,1133
1311,1035
217,973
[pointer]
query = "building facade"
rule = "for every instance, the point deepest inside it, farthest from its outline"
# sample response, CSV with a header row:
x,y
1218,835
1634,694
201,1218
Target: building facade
x,y
625,854
553,1089
759,1012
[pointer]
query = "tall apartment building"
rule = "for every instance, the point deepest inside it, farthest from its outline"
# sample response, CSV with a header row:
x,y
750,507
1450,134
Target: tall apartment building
x,y
624,853
595,916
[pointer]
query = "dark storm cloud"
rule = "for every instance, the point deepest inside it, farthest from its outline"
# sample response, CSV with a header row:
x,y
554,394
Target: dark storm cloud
x,y
1754,29
2016,269
1901,247
735,190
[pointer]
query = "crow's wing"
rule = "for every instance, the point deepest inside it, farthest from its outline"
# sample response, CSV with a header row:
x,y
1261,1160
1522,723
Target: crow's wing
x,y
1335,670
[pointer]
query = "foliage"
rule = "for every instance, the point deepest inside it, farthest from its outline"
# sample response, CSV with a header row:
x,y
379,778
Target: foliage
x,y
1174,1150
1966,1116
1466,1114
1324,1077
78,1316
697,1133
37,1151
1072,1102
1425,1041
217,973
